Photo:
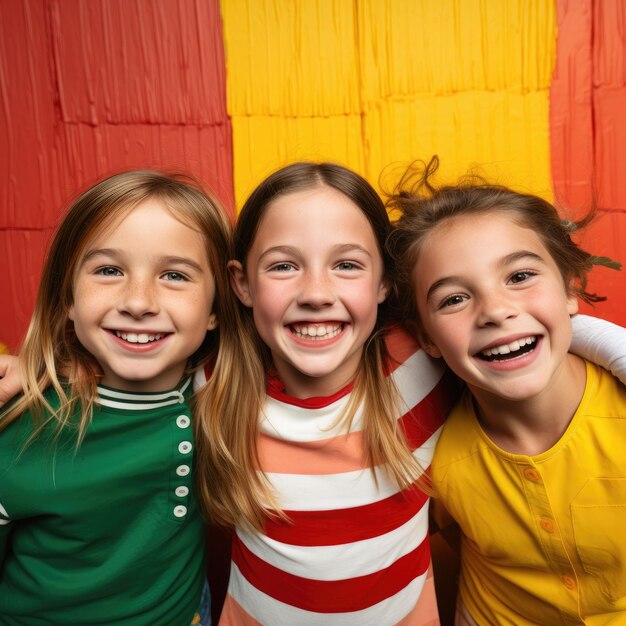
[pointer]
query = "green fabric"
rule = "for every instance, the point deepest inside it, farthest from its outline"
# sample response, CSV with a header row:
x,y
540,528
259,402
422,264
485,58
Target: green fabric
x,y
90,536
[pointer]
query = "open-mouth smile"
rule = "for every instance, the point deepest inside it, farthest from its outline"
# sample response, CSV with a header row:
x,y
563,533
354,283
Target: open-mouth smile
x,y
509,351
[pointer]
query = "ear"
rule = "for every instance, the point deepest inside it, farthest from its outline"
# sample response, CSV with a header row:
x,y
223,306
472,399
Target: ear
x,y
428,346
70,313
239,282
572,304
212,323
383,290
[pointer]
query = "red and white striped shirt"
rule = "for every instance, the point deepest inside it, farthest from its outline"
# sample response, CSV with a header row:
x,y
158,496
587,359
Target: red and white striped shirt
x,y
356,550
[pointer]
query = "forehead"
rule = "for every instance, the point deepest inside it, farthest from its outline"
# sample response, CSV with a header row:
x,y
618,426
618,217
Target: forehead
x,y
319,209
478,241
150,221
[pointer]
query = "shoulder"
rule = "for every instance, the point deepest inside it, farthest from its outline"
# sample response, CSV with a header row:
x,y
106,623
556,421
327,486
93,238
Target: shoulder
x,y
459,439
23,425
604,393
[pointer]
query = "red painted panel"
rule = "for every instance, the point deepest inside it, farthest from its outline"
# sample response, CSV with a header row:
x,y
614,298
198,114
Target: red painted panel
x,y
27,117
88,153
91,88
21,254
139,61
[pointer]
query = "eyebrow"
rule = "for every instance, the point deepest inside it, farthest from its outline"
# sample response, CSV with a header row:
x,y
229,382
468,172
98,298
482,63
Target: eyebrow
x,y
164,260
519,255
342,248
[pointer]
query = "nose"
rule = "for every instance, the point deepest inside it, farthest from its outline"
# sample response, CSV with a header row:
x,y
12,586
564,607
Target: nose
x,y
495,308
316,289
138,298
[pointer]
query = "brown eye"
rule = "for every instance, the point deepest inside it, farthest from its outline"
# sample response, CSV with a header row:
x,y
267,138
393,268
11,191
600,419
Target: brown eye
x,y
452,301
520,277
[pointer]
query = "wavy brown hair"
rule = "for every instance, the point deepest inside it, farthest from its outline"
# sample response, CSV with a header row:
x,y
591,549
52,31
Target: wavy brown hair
x,y
238,492
422,206
51,351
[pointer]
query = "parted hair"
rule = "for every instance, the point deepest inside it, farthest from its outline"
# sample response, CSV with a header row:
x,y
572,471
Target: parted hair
x,y
51,352
421,206
241,493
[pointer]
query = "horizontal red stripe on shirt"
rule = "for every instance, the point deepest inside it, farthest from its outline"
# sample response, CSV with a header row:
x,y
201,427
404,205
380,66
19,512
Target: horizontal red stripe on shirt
x,y
426,417
335,596
338,526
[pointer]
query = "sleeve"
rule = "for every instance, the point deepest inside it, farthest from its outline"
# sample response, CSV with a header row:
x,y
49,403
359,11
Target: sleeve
x,y
601,342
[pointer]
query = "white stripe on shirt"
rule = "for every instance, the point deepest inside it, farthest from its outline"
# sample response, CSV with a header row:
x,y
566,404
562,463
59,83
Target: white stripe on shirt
x,y
267,610
349,560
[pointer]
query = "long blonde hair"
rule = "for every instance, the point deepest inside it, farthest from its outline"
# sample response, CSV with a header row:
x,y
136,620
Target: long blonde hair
x,y
228,463
51,350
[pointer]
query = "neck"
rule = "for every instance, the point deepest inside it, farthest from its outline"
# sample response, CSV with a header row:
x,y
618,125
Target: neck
x,y
533,425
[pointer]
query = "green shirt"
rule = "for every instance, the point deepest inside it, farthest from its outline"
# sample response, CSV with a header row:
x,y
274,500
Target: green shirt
x,y
109,533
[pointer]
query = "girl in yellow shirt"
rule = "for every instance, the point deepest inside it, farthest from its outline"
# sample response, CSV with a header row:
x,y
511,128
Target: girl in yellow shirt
x,y
531,462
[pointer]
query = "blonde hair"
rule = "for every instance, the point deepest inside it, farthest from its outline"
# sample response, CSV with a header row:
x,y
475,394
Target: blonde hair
x,y
51,350
228,462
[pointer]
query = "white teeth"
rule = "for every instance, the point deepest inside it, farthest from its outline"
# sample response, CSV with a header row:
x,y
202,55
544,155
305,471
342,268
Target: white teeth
x,y
138,338
514,346
316,331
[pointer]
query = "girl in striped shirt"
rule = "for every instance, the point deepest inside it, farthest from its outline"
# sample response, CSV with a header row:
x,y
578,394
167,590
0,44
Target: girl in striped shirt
x,y
332,525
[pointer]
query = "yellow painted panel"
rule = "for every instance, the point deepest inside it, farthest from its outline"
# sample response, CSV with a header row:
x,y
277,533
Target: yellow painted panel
x,y
372,82
501,135
262,144
291,57
415,47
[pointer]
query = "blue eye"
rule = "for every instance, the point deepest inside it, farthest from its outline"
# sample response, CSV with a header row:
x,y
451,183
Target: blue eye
x,y
108,271
347,265
282,267
175,276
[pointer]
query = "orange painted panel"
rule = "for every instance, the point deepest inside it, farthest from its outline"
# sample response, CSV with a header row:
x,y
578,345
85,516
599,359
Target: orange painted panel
x,y
588,135
606,236
571,120
610,147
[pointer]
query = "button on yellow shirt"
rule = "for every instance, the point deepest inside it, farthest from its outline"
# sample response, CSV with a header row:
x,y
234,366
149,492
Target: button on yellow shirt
x,y
544,536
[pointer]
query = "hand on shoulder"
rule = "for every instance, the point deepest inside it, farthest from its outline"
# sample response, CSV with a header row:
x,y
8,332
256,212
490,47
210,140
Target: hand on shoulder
x,y
10,384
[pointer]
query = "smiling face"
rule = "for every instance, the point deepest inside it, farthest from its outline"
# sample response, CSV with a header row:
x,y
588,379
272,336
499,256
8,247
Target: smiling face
x,y
492,302
143,295
314,279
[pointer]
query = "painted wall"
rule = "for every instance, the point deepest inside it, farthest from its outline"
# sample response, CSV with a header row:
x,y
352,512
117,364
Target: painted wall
x,y
531,91
91,88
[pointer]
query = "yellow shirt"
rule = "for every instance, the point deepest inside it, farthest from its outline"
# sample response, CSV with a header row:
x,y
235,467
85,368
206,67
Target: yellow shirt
x,y
544,536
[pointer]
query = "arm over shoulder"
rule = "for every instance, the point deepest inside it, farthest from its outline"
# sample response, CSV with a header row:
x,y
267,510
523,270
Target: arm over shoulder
x,y
601,342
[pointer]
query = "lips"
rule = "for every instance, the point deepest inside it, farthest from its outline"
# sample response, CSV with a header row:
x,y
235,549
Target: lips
x,y
316,331
509,351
